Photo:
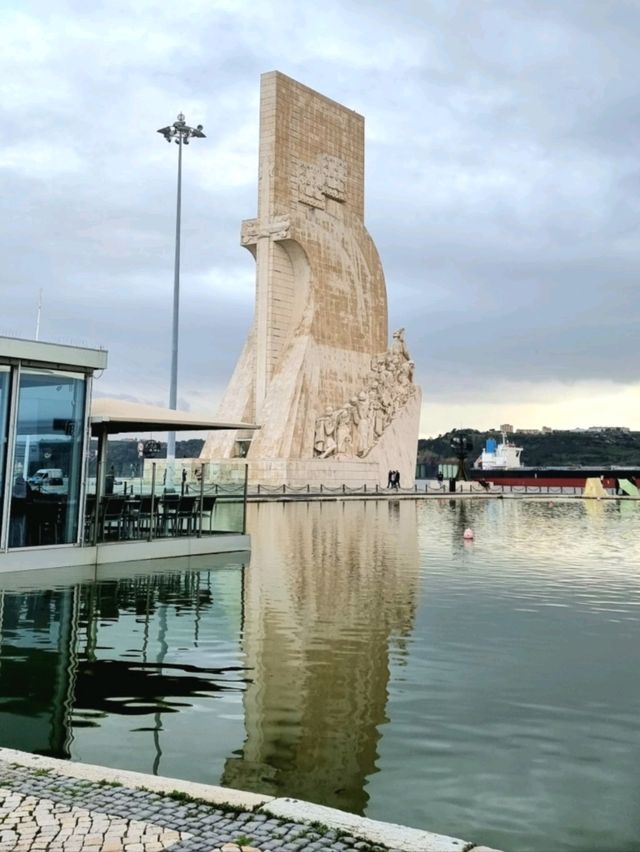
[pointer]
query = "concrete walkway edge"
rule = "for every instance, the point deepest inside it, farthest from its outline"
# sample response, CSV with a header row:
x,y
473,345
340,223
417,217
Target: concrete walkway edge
x,y
395,837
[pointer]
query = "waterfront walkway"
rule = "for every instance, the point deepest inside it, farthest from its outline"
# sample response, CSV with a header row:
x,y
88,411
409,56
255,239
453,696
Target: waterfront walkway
x,y
289,495
48,805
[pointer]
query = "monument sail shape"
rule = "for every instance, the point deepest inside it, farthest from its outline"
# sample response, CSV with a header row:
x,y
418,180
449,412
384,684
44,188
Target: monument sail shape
x,y
335,403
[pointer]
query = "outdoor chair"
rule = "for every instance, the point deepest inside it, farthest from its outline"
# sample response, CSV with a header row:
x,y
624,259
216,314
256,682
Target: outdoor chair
x,y
208,506
89,517
146,520
112,521
131,517
170,504
184,518
47,516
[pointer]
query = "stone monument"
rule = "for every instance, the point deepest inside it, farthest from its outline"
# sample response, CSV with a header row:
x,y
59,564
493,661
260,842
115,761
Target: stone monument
x,y
336,404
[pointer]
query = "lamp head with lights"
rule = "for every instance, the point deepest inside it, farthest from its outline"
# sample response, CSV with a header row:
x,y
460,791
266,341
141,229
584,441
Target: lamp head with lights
x,y
181,132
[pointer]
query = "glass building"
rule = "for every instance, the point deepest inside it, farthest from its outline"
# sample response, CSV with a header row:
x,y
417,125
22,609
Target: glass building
x,y
45,393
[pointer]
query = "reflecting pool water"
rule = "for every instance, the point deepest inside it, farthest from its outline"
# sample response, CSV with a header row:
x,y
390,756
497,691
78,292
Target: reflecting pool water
x,y
366,657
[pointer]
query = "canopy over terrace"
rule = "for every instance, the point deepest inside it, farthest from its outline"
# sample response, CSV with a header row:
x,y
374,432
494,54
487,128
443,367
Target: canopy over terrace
x,y
115,416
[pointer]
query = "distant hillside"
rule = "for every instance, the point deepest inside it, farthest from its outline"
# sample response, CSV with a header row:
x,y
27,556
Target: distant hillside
x,y
553,448
123,454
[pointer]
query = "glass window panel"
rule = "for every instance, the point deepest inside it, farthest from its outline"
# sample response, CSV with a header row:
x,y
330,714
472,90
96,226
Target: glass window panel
x,y
47,464
5,390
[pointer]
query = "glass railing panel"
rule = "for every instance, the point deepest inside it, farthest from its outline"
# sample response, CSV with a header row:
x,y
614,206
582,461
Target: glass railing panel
x,y
206,499
223,489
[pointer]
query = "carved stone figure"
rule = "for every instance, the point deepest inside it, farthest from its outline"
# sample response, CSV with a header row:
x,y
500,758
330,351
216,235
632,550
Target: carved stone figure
x,y
377,414
399,347
344,440
361,417
377,363
404,387
386,391
405,373
387,373
324,442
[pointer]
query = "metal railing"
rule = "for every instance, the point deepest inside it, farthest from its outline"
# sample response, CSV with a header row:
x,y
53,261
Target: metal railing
x,y
419,488
136,513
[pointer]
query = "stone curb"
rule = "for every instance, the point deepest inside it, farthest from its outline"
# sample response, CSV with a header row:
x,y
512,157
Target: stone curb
x,y
396,837
387,833
157,784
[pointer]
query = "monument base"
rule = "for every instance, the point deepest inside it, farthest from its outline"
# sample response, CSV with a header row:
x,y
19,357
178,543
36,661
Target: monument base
x,y
315,472
395,450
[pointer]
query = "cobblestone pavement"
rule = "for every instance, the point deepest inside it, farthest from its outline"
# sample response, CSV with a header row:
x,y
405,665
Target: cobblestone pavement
x,y
44,811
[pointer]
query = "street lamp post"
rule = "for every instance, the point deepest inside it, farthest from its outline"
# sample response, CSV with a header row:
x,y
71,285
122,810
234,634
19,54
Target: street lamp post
x,y
180,133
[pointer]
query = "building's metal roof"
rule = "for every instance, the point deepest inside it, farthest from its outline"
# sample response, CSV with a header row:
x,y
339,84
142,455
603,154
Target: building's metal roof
x,y
112,416
53,353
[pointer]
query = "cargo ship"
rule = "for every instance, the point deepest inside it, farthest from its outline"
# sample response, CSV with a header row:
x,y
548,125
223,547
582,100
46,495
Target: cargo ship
x,y
501,464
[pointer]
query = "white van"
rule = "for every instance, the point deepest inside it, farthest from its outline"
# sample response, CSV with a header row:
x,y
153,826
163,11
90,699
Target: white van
x,y
48,479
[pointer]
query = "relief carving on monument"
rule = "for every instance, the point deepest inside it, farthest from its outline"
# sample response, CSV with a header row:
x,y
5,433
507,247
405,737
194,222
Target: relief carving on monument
x,y
334,172
324,179
356,427
324,443
252,230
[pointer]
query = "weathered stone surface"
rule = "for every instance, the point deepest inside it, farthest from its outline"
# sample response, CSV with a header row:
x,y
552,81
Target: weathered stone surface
x,y
316,371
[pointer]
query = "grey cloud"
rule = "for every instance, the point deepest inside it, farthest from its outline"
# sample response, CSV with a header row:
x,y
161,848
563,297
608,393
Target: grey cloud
x,y
502,179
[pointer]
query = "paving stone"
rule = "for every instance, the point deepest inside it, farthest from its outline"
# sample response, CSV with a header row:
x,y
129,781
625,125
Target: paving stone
x,y
76,815
46,825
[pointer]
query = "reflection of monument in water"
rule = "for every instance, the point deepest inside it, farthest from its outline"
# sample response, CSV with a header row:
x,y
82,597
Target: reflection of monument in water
x,y
334,402
331,588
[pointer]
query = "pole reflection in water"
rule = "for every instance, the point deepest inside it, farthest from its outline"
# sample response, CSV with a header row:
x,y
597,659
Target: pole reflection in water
x,y
327,595
92,670
37,662
155,679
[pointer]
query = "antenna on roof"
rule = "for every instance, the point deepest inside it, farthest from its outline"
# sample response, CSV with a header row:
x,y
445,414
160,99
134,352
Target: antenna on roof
x,y
38,314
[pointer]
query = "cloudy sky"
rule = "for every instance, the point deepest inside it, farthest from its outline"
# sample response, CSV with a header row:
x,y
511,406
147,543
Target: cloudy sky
x,y
503,188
